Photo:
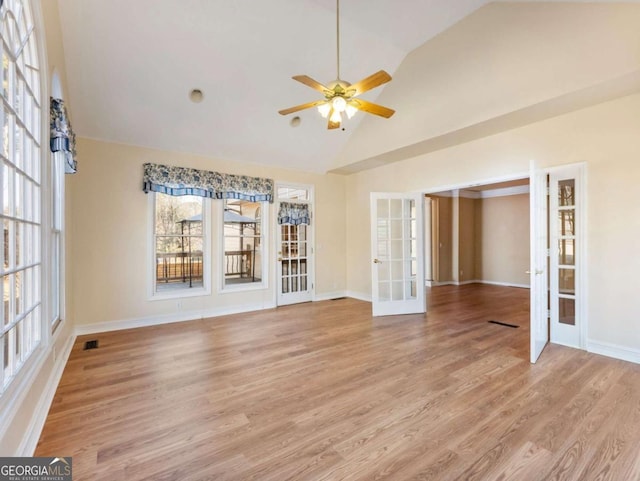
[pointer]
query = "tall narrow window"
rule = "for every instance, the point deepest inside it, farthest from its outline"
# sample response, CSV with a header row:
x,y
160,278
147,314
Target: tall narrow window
x,y
244,260
20,179
57,205
180,245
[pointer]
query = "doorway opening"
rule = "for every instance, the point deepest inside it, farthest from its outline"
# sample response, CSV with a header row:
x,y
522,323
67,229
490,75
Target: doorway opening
x,y
477,246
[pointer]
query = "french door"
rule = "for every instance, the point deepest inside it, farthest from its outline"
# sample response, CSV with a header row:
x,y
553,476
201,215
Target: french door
x,y
557,298
566,252
539,331
397,247
294,264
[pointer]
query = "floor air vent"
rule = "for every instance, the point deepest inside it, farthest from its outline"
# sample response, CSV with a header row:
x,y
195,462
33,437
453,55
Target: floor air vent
x,y
504,324
91,345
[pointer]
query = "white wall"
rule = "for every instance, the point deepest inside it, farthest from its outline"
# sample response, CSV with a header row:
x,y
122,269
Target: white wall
x,y
605,137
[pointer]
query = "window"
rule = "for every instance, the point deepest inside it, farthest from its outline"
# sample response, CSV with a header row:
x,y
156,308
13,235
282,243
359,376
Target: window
x,y
293,193
180,245
57,244
20,177
244,257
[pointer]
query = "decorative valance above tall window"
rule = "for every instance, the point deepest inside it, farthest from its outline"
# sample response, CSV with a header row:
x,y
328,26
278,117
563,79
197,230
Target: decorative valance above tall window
x,y
294,213
63,139
174,180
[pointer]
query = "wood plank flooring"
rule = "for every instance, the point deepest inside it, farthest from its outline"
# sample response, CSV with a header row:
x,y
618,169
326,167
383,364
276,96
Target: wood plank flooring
x,y
323,391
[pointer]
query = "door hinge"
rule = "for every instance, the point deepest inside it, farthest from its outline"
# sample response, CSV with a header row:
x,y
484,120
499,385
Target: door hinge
x,y
548,252
548,313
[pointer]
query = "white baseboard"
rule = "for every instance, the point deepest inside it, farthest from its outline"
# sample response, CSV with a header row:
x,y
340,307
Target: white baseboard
x,y
474,281
612,350
30,440
505,284
358,295
168,318
327,296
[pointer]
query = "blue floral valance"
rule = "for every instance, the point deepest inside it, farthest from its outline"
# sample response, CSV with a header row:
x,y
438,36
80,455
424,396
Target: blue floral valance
x,y
294,214
63,139
174,180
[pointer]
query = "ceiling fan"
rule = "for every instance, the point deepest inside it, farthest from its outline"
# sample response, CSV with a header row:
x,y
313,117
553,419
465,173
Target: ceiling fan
x,y
340,96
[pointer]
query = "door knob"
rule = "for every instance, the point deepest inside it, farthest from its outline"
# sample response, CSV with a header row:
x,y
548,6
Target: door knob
x,y
377,261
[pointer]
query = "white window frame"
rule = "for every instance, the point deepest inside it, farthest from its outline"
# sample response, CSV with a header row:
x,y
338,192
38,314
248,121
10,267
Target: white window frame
x,y
57,272
263,283
205,290
14,387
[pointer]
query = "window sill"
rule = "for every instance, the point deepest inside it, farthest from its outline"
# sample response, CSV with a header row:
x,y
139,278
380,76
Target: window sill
x,y
179,294
254,286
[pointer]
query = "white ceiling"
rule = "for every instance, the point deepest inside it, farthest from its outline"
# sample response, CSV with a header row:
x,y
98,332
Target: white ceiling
x,y
132,63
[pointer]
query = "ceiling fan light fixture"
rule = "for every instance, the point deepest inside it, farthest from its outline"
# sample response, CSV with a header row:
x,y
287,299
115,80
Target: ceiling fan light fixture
x,y
338,103
324,109
339,94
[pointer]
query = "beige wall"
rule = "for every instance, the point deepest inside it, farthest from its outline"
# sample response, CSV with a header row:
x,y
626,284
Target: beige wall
x,y
605,137
502,241
444,241
111,260
467,240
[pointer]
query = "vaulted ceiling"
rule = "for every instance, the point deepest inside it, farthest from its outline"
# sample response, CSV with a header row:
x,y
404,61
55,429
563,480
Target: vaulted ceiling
x,y
461,70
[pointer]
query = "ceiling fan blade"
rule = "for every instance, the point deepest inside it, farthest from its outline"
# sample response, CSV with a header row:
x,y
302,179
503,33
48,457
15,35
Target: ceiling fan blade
x,y
308,105
372,108
309,82
371,82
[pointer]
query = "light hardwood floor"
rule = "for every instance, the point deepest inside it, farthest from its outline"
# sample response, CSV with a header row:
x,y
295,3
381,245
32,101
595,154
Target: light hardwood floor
x,y
323,391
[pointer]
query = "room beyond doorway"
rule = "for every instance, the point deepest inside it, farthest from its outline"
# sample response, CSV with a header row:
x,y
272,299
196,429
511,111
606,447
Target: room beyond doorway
x,y
478,234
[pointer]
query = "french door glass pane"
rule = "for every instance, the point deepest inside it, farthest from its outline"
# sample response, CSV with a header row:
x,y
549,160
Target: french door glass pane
x,y
566,252
567,311
567,281
566,222
566,192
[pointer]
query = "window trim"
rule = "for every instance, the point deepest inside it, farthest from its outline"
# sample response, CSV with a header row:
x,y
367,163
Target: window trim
x,y
56,321
12,395
205,290
265,239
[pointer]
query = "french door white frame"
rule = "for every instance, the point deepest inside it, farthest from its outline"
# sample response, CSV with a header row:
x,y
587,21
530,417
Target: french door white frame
x,y
309,294
568,335
397,240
